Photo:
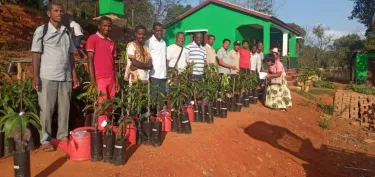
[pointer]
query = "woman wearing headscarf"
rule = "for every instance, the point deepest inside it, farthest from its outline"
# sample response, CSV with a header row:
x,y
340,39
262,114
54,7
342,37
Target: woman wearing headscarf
x,y
277,92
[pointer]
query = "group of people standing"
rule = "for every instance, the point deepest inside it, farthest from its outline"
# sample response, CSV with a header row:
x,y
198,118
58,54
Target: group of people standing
x,y
147,61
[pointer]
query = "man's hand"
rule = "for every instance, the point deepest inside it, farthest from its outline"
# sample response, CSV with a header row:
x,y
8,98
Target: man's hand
x,y
36,83
75,82
117,86
234,68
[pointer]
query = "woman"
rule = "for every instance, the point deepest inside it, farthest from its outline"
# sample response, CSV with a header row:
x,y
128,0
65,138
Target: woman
x,y
138,57
277,92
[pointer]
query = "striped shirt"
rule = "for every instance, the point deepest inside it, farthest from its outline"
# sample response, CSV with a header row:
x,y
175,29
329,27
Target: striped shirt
x,y
197,54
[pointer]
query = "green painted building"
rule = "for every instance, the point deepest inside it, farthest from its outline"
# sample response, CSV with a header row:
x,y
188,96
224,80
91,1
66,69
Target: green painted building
x,y
111,7
226,20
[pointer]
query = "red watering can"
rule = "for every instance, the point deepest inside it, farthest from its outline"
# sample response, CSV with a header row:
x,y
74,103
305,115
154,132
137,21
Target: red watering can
x,y
78,145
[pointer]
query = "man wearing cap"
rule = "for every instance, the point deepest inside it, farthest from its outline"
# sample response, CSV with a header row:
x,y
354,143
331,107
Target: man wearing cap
x,y
234,55
225,63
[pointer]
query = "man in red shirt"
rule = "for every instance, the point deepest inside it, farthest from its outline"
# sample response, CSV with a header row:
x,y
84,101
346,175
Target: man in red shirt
x,y
101,52
244,57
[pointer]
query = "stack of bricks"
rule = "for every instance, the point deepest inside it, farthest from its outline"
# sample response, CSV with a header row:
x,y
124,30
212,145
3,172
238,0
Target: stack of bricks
x,y
357,107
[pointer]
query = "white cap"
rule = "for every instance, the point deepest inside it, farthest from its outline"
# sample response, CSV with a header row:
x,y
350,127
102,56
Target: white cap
x,y
275,50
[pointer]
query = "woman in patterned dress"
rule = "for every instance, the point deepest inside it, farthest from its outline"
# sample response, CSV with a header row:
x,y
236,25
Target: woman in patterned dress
x,y
277,92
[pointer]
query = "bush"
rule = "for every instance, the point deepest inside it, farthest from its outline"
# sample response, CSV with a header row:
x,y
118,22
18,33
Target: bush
x,y
364,89
324,123
327,109
324,84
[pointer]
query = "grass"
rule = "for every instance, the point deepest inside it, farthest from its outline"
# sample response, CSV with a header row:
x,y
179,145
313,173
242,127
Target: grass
x,y
322,92
364,89
324,122
304,94
324,84
304,103
327,109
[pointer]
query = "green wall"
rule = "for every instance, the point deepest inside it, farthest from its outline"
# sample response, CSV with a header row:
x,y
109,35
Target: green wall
x,y
111,7
226,23
216,19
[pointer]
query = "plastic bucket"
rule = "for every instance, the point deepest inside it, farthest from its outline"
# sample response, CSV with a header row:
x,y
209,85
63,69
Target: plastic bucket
x,y
131,134
78,146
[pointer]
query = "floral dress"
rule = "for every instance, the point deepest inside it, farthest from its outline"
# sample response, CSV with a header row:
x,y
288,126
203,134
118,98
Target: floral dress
x,y
277,93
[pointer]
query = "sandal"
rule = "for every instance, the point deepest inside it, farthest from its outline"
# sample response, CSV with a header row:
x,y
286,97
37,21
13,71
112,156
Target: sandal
x,y
48,147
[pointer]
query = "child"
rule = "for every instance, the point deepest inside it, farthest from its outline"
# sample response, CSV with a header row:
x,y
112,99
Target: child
x,y
101,52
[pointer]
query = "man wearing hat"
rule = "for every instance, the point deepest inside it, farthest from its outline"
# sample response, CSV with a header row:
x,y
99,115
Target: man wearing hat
x,y
234,55
275,52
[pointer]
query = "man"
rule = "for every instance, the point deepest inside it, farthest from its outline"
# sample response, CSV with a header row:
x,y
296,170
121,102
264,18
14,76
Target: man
x,y
255,60
234,55
197,56
244,57
261,54
158,52
225,62
77,35
211,54
177,54
101,52
53,69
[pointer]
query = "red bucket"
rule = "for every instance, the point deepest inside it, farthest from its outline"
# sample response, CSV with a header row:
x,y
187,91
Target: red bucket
x,y
190,111
77,147
166,121
131,133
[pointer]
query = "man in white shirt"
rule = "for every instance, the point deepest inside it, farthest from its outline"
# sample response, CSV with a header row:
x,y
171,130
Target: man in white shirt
x,y
210,51
158,52
176,52
255,62
261,54
197,55
77,36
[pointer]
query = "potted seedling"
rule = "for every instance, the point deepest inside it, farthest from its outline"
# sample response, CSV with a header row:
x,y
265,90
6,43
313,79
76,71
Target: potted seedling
x,y
224,95
157,123
15,125
92,108
119,153
180,91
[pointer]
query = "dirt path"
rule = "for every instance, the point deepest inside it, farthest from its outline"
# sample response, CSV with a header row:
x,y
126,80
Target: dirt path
x,y
256,142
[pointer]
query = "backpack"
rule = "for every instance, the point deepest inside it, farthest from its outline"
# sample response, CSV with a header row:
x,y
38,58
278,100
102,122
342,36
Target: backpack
x,y
45,29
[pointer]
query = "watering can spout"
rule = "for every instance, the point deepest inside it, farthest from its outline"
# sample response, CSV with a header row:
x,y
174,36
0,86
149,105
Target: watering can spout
x,y
62,145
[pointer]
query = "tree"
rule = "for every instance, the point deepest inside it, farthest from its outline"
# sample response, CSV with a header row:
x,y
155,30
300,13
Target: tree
x,y
264,6
160,8
174,12
142,12
351,42
363,11
298,28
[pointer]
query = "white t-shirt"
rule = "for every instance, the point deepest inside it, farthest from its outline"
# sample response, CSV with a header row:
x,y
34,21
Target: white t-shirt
x,y
77,28
158,52
255,62
173,51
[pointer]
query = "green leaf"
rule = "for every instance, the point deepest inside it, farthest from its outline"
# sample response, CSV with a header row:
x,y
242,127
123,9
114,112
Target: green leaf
x,y
10,126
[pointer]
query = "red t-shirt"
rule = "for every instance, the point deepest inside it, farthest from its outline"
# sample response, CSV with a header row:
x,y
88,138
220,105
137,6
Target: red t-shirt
x,y
104,51
244,58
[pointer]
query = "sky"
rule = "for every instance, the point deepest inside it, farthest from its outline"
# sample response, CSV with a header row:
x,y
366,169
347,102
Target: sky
x,y
307,13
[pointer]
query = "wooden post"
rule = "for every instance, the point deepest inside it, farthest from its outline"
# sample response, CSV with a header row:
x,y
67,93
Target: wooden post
x,y
19,71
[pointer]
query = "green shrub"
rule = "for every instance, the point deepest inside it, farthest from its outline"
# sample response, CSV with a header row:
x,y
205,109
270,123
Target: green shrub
x,y
324,84
325,123
327,109
364,89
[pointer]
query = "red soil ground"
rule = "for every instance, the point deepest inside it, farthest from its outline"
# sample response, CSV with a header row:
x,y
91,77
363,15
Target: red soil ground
x,y
255,142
